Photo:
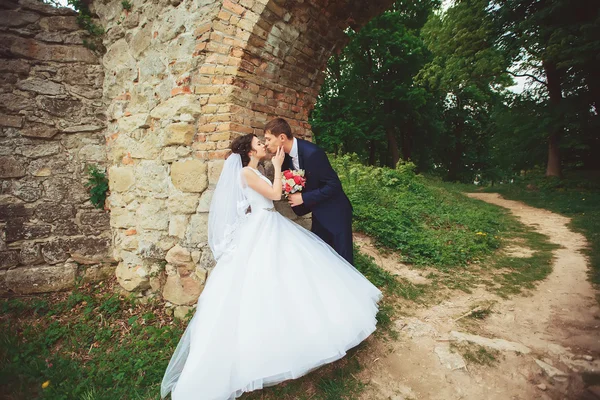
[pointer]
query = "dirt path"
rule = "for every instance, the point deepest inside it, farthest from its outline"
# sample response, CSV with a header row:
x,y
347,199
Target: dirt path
x,y
546,344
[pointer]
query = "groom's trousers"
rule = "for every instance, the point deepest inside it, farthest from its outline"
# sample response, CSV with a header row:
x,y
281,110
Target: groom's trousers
x,y
340,240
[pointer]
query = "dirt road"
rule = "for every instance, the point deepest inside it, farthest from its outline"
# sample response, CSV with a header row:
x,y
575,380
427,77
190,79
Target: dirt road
x,y
545,345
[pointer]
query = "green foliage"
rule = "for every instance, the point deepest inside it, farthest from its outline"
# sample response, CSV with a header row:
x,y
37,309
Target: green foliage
x,y
429,224
98,186
127,5
84,18
83,347
475,354
436,93
370,104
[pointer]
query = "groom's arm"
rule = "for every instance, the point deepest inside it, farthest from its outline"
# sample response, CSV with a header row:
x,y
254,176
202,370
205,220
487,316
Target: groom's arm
x,y
332,185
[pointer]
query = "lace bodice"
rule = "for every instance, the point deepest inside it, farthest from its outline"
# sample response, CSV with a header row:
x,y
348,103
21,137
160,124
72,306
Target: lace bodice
x,y
258,201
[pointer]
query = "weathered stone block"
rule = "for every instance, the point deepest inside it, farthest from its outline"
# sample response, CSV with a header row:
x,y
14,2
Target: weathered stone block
x,y
120,179
31,48
178,255
214,171
55,251
50,212
11,167
15,210
81,128
205,200
16,229
182,104
197,231
152,214
132,277
207,260
152,177
31,253
14,121
10,18
28,190
59,107
182,290
97,273
42,86
94,222
91,250
182,203
59,23
122,218
40,150
41,279
180,133
39,131
190,175
9,259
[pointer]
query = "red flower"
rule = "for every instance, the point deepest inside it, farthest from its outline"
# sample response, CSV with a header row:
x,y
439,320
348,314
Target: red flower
x,y
288,174
298,180
288,188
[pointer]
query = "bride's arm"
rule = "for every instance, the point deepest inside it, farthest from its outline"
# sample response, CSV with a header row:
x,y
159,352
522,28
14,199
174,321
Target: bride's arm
x,y
262,187
255,182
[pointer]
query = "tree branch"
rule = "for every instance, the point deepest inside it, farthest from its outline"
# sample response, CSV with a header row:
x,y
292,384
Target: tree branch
x,y
528,76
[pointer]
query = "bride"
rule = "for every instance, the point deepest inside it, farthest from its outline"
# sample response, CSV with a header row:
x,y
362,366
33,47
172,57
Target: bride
x,y
279,303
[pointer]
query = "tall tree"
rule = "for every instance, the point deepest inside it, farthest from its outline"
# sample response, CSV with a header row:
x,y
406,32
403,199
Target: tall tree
x,y
470,71
557,43
370,103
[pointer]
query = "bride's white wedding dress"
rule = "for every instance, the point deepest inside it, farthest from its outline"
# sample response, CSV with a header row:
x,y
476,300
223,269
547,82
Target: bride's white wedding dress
x,y
278,304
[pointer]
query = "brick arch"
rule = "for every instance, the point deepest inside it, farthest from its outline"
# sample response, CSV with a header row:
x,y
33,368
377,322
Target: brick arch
x,y
280,50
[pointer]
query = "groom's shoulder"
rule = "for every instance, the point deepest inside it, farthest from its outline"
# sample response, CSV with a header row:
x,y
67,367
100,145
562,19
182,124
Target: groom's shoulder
x,y
309,146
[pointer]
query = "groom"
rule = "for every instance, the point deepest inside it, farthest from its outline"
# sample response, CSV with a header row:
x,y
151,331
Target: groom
x,y
323,194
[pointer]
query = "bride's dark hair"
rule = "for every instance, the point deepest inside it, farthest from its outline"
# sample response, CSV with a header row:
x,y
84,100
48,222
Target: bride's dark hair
x,y
242,145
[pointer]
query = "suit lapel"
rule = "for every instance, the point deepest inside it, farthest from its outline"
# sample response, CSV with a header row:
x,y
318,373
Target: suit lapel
x,y
300,153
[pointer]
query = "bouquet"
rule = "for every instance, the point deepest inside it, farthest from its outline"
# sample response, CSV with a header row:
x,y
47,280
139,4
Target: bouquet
x,y
293,181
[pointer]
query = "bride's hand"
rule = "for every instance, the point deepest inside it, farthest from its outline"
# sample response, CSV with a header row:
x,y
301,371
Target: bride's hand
x,y
278,158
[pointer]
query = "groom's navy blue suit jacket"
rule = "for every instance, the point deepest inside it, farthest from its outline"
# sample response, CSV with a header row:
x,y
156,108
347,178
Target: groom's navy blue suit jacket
x,y
324,197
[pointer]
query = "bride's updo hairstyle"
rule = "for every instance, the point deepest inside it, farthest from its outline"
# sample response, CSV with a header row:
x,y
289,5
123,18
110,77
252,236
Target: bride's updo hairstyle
x,y
242,145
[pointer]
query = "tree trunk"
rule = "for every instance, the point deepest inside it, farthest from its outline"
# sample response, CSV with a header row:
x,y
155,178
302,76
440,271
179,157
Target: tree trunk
x,y
392,145
390,134
407,144
553,81
372,152
456,156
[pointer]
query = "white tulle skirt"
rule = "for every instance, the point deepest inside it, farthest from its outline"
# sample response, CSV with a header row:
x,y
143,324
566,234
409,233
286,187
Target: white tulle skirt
x,y
277,306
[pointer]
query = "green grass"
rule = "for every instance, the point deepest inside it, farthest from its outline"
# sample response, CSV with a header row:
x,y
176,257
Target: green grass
x,y
432,223
520,273
89,344
575,196
474,354
381,278
428,223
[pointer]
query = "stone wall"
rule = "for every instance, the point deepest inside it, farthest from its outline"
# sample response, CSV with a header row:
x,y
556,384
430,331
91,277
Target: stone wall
x,y
182,79
178,81
51,126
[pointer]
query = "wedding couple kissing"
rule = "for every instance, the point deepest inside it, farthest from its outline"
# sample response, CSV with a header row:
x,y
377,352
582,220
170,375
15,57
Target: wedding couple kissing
x,y
281,300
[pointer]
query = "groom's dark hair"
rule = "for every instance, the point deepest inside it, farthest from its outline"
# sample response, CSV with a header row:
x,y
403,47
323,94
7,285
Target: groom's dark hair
x,y
278,126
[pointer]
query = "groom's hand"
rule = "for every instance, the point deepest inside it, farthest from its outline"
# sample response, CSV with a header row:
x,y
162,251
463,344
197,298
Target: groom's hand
x,y
295,199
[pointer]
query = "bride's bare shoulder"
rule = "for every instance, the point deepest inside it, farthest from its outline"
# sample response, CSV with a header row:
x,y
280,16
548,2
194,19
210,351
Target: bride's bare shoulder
x,y
248,172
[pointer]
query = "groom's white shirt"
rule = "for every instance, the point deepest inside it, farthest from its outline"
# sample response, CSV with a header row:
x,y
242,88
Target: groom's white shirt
x,y
294,154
